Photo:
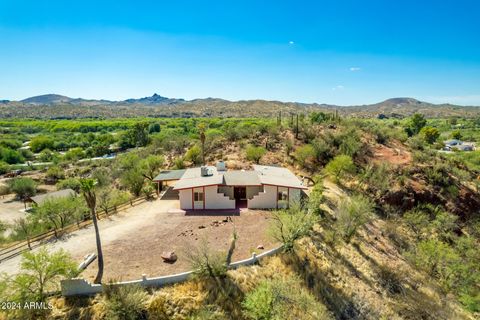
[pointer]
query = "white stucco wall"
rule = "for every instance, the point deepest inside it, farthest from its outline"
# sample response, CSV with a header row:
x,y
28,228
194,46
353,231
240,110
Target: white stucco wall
x,y
264,200
185,197
215,200
253,191
227,190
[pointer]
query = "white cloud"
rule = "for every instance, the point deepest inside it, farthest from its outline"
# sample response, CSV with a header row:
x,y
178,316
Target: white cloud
x,y
339,87
291,42
353,69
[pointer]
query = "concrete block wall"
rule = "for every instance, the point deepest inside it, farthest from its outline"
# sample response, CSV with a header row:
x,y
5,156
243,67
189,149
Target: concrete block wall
x,y
81,287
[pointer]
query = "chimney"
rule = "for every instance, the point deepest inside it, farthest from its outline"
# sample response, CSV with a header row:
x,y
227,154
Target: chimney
x,y
204,171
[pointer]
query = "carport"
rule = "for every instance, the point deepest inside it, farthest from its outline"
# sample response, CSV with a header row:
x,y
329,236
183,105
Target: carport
x,y
167,176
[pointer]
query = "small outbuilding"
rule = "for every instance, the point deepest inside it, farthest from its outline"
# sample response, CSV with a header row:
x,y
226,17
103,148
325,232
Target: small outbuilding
x,y
42,198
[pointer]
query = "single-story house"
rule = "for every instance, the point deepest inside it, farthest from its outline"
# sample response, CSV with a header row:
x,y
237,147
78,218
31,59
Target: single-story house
x,y
41,198
214,187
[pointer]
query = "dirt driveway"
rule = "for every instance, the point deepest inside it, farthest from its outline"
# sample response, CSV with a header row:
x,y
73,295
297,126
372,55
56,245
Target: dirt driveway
x,y
10,208
133,240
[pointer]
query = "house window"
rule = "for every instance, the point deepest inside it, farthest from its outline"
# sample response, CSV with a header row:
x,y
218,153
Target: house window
x,y
198,196
282,196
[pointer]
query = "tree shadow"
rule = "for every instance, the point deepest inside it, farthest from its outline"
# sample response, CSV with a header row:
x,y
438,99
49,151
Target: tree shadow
x,y
224,293
336,301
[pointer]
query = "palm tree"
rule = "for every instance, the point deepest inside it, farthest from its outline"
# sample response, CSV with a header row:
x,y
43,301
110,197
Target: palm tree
x,y
201,130
88,191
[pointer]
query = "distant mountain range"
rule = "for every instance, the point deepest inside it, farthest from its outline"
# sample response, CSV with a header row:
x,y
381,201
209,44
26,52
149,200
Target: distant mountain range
x,y
59,99
52,106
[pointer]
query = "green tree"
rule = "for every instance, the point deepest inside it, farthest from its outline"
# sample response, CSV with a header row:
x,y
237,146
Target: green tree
x,y
10,156
89,193
40,273
151,165
291,224
305,154
23,188
415,124
133,180
255,154
339,167
39,143
430,134
351,214
438,259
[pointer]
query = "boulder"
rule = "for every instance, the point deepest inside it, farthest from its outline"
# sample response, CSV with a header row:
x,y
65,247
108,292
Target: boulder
x,y
169,256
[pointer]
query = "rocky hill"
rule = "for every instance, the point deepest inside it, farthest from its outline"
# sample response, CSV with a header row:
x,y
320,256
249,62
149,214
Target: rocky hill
x,y
52,106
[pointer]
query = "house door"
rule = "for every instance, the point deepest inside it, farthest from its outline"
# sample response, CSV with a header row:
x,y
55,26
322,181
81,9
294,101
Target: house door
x,y
240,193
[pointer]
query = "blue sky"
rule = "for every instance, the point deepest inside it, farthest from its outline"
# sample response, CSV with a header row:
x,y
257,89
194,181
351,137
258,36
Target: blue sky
x,y
342,52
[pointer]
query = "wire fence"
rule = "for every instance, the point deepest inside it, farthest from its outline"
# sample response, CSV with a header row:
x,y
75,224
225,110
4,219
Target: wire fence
x,y
18,247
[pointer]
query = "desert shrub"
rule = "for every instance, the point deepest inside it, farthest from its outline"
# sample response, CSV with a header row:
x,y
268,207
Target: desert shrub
x,y
351,144
4,167
280,299
75,154
194,155
54,173
323,151
124,302
179,163
340,167
351,214
416,143
377,177
305,155
4,190
254,153
69,183
291,224
316,198
418,221
389,280
103,176
437,259
206,262
207,313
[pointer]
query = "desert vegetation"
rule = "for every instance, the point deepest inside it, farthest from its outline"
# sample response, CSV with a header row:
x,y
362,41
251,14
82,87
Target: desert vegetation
x,y
389,229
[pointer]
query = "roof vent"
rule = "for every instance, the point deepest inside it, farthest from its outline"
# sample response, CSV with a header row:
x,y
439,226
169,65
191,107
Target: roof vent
x,y
205,172
221,166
